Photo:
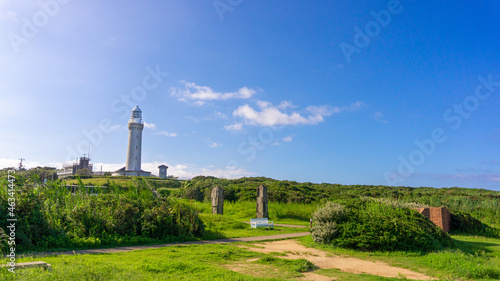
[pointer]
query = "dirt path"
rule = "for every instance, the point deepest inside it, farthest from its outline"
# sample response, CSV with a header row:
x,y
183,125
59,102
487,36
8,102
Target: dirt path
x,y
133,248
324,260
291,248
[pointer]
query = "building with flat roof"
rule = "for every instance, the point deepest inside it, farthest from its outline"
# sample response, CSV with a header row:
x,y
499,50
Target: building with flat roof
x,y
70,169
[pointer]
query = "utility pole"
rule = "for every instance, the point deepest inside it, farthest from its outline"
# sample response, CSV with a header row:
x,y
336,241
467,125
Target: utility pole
x,y
21,166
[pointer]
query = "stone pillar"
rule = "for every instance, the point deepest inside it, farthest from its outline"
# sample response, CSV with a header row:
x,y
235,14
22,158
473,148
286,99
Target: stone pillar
x,y
217,200
262,211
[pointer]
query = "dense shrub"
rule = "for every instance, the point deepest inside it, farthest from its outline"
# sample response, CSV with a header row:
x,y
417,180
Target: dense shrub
x,y
480,203
371,225
165,183
3,241
165,192
463,222
193,193
326,221
51,217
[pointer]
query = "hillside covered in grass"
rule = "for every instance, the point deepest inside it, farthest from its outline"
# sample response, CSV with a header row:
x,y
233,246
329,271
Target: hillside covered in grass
x,y
479,203
110,211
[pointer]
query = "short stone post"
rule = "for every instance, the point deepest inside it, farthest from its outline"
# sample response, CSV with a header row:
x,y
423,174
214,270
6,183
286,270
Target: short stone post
x,y
262,211
217,200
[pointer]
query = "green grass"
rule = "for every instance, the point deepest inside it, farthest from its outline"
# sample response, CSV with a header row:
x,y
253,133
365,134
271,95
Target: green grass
x,y
195,262
217,227
282,213
125,181
473,258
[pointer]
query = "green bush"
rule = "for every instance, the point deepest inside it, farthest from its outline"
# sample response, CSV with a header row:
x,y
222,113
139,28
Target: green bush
x,y
193,193
326,220
371,225
463,222
165,192
4,238
49,216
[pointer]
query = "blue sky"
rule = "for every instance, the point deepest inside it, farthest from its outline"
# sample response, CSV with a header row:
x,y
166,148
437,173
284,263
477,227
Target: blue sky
x,y
392,92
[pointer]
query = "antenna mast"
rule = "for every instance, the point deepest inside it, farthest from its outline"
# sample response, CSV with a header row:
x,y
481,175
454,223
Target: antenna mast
x,y
21,166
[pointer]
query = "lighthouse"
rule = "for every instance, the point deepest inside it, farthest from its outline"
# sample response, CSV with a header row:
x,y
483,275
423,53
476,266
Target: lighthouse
x,y
135,127
134,148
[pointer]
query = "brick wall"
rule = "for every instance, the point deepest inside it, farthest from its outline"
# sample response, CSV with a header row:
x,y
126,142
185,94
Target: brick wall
x,y
439,216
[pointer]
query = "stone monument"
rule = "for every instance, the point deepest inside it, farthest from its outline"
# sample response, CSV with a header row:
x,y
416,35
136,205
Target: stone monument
x,y
217,200
262,211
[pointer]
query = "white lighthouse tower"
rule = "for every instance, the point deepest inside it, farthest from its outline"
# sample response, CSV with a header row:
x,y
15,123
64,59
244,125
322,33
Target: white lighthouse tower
x,y
133,164
135,127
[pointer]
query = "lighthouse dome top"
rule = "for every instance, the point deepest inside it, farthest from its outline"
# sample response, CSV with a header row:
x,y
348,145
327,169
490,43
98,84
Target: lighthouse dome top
x,y
136,115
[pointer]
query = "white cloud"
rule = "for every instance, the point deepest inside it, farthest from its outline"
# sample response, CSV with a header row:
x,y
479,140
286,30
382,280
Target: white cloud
x,y
234,127
220,115
14,163
200,94
272,116
149,126
213,145
167,134
115,127
106,167
287,139
216,115
286,104
188,171
379,117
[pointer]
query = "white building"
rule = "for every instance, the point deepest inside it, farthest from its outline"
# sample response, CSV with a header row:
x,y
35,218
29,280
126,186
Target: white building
x,y
162,171
70,169
133,164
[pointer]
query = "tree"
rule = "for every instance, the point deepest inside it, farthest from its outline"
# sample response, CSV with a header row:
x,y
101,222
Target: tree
x,y
84,173
44,173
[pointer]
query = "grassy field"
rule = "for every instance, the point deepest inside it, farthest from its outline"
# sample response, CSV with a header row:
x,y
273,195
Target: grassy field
x,y
282,213
475,258
52,215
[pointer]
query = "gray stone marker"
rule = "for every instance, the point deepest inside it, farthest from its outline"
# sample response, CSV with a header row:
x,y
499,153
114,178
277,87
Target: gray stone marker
x,y
262,211
217,200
